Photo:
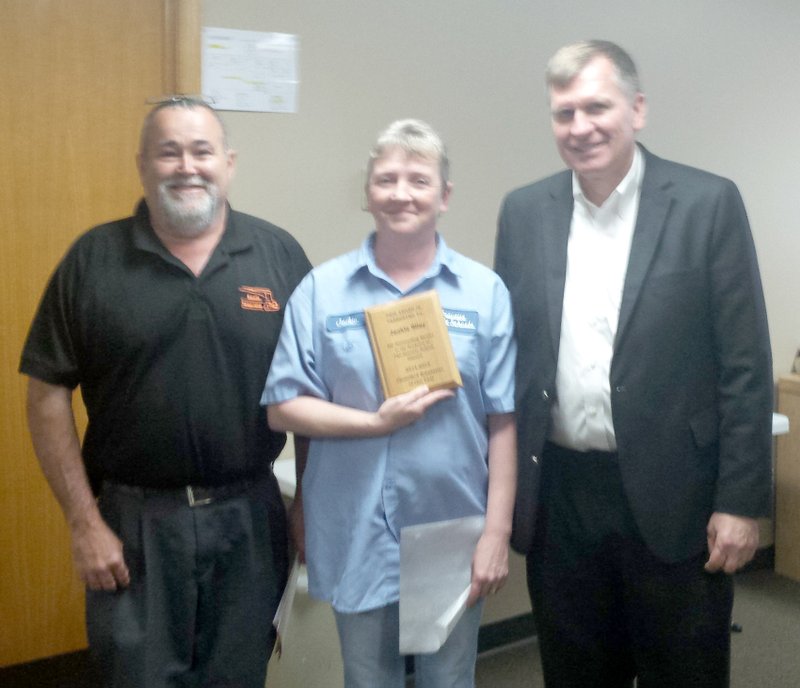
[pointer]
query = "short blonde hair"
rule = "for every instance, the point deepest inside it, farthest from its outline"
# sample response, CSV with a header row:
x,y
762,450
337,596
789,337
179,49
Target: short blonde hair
x,y
415,137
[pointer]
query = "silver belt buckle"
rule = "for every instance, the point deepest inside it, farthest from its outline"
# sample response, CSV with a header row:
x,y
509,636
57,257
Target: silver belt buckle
x,y
193,501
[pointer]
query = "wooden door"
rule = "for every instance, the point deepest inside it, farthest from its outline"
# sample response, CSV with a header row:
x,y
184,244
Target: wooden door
x,y
75,75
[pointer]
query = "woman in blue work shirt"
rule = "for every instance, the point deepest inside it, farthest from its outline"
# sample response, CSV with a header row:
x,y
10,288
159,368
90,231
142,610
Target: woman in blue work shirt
x,y
376,466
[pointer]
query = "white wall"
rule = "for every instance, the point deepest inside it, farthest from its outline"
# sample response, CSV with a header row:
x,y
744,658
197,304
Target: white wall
x,y
720,77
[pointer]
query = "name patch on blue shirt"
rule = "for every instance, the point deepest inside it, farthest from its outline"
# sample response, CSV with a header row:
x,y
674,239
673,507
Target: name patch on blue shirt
x,y
465,322
348,321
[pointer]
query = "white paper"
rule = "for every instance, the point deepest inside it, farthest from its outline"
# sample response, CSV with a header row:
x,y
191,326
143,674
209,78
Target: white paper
x,y
250,70
435,575
284,611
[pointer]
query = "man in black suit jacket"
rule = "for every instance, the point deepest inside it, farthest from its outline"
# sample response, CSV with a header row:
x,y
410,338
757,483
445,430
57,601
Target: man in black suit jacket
x,y
644,392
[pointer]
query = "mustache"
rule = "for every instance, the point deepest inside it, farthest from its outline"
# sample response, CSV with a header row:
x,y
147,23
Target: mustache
x,y
181,180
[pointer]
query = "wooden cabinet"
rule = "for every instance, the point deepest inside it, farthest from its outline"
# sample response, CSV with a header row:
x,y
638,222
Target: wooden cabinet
x,y
787,482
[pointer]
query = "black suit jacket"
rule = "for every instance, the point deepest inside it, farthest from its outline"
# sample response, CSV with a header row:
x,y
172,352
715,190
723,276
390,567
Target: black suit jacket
x,y
691,373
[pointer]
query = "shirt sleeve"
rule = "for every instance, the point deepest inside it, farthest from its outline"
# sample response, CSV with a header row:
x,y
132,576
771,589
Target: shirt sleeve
x,y
50,350
293,371
497,386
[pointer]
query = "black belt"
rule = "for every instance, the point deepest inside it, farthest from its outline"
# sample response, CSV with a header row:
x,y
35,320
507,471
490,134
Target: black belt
x,y
193,495
565,452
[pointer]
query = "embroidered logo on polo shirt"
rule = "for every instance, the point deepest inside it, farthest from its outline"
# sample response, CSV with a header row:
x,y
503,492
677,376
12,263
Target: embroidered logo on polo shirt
x,y
258,299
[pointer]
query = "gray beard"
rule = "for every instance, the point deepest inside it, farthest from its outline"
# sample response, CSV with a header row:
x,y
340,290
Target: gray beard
x,y
188,219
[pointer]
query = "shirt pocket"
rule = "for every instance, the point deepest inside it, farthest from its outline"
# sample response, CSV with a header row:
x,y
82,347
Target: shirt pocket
x,y
347,364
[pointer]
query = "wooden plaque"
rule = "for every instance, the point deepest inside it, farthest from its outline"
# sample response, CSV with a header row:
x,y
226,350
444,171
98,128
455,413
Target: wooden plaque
x,y
411,344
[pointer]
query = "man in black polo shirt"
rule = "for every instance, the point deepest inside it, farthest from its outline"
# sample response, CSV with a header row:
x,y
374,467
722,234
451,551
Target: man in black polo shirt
x,y
168,321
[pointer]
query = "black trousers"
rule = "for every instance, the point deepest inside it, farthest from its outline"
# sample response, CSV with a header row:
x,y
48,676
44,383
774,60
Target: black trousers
x,y
607,610
205,584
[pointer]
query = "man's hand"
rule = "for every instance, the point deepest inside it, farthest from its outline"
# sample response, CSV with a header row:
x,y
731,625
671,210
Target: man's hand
x,y
732,542
96,550
97,553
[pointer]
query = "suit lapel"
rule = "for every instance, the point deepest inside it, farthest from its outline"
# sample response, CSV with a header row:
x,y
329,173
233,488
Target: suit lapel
x,y
654,203
557,217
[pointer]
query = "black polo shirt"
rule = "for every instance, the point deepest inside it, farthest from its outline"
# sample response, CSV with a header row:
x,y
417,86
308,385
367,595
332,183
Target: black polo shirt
x,y
171,366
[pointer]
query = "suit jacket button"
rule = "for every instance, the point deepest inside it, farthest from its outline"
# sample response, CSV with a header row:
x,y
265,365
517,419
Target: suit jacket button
x,y
535,459
545,395
620,389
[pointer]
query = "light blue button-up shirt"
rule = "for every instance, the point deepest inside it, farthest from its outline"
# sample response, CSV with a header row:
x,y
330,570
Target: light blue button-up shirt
x,y
359,492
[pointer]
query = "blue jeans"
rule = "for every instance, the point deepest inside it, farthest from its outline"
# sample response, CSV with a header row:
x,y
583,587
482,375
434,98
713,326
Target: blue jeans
x,y
370,644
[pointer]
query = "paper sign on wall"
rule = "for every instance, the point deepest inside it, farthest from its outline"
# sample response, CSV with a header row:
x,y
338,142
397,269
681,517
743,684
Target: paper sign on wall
x,y
253,71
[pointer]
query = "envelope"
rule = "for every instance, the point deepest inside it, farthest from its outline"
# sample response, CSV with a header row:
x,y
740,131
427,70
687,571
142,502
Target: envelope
x,y
435,575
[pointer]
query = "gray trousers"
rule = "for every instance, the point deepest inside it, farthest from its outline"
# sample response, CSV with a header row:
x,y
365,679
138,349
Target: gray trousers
x,y
205,584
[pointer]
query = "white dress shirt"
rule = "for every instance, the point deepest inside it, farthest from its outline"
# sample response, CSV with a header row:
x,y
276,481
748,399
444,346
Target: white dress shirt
x,y
597,260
